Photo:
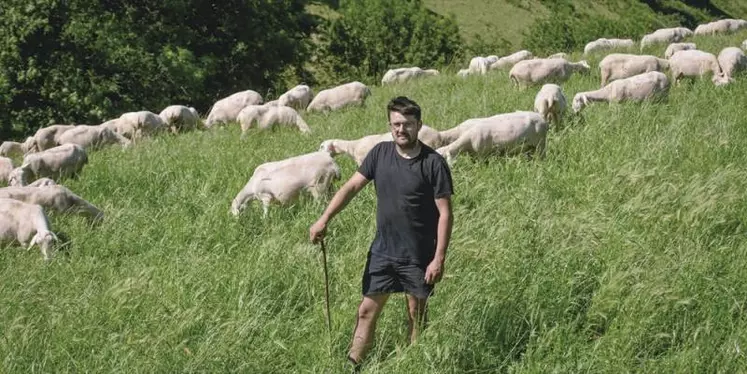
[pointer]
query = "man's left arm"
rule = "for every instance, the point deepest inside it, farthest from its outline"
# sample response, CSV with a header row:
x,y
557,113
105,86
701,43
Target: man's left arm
x,y
442,190
445,222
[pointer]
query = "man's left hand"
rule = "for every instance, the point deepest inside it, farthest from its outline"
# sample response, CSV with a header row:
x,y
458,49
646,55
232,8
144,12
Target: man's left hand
x,y
434,271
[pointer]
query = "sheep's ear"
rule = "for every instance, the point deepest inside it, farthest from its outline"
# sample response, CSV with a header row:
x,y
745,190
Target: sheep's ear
x,y
331,148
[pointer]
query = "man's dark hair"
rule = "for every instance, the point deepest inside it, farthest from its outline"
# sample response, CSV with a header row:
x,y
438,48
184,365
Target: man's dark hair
x,y
404,106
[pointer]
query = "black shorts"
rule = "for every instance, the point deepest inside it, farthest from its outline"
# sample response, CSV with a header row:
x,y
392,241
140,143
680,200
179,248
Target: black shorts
x,y
386,275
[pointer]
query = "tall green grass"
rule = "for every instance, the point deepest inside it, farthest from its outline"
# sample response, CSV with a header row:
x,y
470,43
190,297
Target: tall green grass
x,y
623,251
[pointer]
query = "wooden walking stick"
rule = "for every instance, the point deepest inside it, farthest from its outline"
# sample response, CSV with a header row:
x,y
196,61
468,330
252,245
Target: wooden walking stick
x,y
326,291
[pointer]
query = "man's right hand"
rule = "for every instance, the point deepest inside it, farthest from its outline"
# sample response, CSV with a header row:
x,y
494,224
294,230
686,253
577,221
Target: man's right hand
x,y
317,231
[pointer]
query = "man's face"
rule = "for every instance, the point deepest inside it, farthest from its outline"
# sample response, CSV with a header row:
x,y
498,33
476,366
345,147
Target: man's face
x,y
404,129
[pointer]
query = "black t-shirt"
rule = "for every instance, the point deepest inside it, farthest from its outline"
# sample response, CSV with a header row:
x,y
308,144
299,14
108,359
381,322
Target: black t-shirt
x,y
406,189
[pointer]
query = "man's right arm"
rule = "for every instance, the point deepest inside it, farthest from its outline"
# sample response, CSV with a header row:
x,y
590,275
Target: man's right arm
x,y
338,202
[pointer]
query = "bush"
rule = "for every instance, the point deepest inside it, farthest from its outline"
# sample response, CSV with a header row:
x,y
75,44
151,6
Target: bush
x,y
86,61
372,36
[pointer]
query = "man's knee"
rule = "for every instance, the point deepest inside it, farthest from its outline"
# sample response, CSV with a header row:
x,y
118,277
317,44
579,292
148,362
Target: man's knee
x,y
369,309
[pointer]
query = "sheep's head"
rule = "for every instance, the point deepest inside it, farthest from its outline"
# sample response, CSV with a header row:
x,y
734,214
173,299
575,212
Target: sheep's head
x,y
432,72
29,146
579,102
329,147
721,80
583,66
492,59
45,240
18,177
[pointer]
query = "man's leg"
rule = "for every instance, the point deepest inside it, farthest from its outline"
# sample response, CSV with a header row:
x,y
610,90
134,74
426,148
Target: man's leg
x,y
417,314
368,312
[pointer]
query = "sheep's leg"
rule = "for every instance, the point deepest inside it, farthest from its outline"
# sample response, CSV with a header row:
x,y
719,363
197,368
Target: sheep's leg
x,y
302,125
265,205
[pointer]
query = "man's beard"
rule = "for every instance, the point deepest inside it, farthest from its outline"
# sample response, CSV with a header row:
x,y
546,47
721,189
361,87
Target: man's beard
x,y
408,144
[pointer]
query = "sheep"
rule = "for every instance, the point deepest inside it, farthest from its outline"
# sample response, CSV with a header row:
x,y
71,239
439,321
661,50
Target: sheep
x,y
722,26
506,134
511,60
297,97
267,116
59,162
620,65
602,44
352,93
92,137
676,47
544,70
179,117
26,224
358,149
283,181
449,135
400,75
135,125
562,55
16,149
668,35
639,87
550,102
54,197
228,108
732,60
463,73
479,65
41,182
6,166
696,63
48,137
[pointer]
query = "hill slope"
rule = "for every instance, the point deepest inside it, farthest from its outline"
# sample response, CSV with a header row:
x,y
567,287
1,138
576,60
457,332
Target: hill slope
x,y
623,250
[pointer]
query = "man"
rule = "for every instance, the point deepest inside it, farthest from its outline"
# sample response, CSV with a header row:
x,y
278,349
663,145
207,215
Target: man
x,y
413,223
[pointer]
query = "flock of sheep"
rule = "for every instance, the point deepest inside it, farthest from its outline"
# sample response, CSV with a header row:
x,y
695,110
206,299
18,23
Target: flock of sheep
x,y
61,151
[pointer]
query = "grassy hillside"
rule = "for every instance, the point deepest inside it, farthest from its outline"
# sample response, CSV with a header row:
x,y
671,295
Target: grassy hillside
x,y
623,251
510,19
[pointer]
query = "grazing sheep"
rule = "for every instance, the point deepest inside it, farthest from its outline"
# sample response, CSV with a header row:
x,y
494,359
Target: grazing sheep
x,y
676,47
400,75
16,149
721,26
135,125
732,61
479,65
180,118
228,108
41,182
603,44
668,35
6,166
506,134
639,87
353,93
59,162
451,134
358,149
545,70
696,63
562,55
54,197
620,65
297,97
92,137
550,102
26,224
268,116
282,181
463,73
511,60
48,137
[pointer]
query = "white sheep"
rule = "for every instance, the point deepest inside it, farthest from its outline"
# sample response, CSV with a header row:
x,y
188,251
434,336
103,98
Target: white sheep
x,y
48,137
54,197
41,182
676,47
6,166
16,149
268,116
639,87
297,97
400,75
550,102
511,60
59,162
505,134
352,93
696,63
621,65
463,73
92,137
479,65
283,181
732,61
667,35
545,70
562,55
228,108
180,117
449,135
722,26
603,44
135,125
358,149
26,224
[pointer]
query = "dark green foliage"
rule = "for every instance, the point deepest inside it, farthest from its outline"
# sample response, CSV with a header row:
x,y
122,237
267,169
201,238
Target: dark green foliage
x,y
376,35
86,61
